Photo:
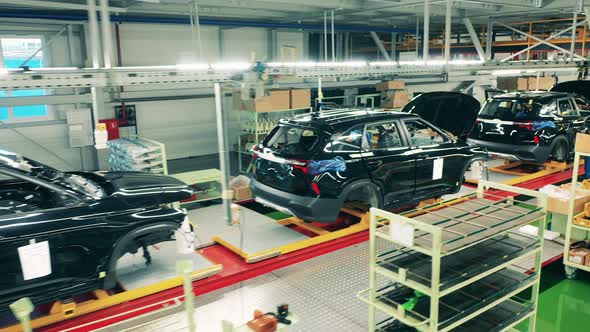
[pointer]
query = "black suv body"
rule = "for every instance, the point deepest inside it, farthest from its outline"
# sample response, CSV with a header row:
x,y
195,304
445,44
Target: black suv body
x,y
84,222
310,165
531,127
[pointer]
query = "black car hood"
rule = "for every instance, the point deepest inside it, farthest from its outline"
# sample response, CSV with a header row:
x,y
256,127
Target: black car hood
x,y
581,88
452,111
144,188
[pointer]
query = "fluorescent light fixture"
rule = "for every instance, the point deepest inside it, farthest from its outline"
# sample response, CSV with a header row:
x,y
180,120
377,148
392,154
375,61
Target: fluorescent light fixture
x,y
54,68
231,65
192,66
506,72
144,68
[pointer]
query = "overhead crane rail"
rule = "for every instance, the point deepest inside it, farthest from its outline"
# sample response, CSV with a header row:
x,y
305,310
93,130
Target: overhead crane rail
x,y
125,76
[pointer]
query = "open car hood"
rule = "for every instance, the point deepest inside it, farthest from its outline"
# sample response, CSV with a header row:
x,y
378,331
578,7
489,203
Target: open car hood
x,y
454,112
581,88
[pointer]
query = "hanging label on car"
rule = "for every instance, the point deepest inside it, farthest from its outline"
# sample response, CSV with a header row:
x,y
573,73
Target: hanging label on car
x,y
35,260
401,232
437,168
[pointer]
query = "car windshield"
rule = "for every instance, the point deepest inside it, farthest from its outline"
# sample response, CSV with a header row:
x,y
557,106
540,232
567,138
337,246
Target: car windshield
x,y
510,110
293,141
45,173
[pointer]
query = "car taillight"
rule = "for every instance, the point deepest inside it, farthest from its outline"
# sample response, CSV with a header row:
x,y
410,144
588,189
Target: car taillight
x,y
255,150
537,140
526,125
315,188
299,164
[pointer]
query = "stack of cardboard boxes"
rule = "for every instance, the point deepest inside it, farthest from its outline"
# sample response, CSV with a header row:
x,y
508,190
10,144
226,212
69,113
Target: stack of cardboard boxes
x,y
276,100
525,83
393,94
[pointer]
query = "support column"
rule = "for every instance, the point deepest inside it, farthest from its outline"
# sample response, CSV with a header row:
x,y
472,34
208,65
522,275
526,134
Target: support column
x,y
93,31
223,164
448,18
107,36
426,32
490,39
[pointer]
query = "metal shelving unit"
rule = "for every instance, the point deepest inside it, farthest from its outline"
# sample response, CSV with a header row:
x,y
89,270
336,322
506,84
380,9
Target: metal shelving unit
x,y
254,126
571,267
452,267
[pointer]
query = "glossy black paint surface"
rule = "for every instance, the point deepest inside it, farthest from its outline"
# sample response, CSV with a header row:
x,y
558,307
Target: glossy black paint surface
x,y
86,234
527,139
384,177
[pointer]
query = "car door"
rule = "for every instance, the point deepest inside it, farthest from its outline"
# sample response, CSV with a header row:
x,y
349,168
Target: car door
x,y
387,158
439,162
60,233
571,119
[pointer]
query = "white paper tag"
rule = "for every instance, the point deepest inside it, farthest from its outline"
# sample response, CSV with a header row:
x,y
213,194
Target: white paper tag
x,y
437,168
402,233
35,260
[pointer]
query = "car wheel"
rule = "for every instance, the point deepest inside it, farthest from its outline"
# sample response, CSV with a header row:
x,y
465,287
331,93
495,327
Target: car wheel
x,y
366,194
560,152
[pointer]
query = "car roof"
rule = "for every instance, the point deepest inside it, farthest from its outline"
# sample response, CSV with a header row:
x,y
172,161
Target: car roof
x,y
539,96
341,119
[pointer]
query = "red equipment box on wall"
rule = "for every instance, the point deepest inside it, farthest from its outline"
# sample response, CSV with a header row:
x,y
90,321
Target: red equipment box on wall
x,y
112,128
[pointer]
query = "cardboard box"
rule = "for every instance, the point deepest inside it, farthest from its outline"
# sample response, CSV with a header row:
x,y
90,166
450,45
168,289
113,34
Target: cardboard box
x,y
280,100
582,143
394,98
555,205
579,256
545,83
522,84
390,85
513,83
260,105
300,98
242,193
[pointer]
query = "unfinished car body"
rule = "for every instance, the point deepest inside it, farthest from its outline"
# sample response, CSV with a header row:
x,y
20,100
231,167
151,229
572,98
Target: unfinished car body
x,y
310,165
531,127
76,225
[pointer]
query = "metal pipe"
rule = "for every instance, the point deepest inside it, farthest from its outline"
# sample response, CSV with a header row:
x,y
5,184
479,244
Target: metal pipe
x,y
197,21
540,41
584,38
474,39
574,30
448,18
529,41
44,46
94,39
426,32
226,197
333,48
326,36
380,46
417,34
70,45
107,37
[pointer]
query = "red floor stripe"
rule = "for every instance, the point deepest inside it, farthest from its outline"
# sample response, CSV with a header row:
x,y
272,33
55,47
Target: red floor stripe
x,y
236,270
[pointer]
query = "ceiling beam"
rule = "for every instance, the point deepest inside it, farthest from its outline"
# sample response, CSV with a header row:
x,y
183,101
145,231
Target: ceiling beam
x,y
54,5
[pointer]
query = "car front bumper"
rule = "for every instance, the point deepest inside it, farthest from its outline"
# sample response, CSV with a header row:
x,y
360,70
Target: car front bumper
x,y
307,208
530,153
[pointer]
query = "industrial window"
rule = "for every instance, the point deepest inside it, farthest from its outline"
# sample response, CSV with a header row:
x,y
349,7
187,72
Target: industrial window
x,y
15,51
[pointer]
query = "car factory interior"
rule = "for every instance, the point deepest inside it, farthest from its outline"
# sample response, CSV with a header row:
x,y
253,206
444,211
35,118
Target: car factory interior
x,y
293,165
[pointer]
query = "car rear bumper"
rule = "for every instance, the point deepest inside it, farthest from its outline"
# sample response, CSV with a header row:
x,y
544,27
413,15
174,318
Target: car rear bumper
x,y
303,207
530,153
